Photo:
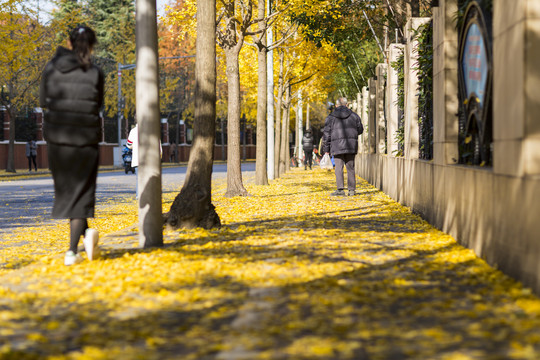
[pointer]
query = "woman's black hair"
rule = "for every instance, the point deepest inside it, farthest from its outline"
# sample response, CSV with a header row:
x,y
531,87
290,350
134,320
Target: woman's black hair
x,y
82,40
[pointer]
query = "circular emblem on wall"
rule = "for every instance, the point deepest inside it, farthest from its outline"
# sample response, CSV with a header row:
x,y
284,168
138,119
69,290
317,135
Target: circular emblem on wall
x,y
475,73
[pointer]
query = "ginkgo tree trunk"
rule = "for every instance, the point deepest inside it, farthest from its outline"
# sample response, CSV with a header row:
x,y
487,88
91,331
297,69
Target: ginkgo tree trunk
x,y
261,175
231,39
277,139
284,149
193,206
147,93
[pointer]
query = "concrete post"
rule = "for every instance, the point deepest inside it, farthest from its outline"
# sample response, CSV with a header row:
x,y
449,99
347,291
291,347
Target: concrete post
x,y
6,123
411,87
364,115
380,130
372,116
516,99
392,113
39,124
165,131
445,84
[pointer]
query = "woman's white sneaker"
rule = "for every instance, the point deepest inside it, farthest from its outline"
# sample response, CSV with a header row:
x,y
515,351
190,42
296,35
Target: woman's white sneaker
x,y
90,241
71,258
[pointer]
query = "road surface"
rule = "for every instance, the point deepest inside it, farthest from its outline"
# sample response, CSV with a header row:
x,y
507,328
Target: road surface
x,y
30,201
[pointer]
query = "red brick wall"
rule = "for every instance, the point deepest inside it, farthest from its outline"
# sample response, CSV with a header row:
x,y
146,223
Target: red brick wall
x,y
106,157
21,162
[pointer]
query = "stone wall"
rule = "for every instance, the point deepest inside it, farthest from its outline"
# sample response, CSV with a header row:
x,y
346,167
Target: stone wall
x,y
492,210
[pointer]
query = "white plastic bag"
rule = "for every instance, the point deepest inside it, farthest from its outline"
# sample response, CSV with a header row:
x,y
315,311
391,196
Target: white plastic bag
x,y
326,162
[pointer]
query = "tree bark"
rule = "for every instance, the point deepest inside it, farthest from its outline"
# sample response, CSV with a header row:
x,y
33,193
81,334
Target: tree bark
x,y
307,115
235,187
288,128
283,155
147,93
270,117
277,139
261,175
193,207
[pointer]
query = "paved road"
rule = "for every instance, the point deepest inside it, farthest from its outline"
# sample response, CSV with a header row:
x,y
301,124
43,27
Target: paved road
x,y
29,201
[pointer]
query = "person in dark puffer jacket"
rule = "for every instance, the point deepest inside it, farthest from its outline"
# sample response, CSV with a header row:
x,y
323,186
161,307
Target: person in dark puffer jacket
x,y
307,146
71,93
340,139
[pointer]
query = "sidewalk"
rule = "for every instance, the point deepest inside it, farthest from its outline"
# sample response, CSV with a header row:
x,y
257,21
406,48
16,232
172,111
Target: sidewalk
x,y
293,274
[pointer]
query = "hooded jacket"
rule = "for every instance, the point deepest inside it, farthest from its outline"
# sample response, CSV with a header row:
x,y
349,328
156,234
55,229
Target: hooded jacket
x,y
307,141
72,97
341,130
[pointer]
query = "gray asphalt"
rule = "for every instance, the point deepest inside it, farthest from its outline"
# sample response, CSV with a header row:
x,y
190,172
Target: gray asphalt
x,y
30,201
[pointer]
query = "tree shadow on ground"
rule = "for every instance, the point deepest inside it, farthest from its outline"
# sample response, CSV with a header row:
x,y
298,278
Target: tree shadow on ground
x,y
414,307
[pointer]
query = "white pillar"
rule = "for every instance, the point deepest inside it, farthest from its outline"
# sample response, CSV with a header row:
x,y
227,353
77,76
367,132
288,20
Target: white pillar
x,y
392,113
445,84
380,131
364,115
516,80
372,116
411,87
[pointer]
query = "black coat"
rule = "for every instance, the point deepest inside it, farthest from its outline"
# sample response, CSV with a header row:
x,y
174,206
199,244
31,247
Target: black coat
x,y
307,141
341,130
72,97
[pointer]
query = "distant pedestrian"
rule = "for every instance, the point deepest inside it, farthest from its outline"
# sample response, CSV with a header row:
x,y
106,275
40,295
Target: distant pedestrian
x,y
340,138
307,145
172,153
133,144
72,94
31,153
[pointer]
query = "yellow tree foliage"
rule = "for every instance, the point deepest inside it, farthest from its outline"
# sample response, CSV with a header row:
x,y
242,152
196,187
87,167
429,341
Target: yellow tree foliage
x,y
177,74
308,59
20,63
307,69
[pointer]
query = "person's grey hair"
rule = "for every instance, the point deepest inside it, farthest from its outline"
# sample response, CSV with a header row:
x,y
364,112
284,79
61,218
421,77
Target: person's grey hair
x,y
342,101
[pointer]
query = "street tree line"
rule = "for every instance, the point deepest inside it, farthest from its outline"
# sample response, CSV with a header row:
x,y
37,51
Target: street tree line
x,y
315,46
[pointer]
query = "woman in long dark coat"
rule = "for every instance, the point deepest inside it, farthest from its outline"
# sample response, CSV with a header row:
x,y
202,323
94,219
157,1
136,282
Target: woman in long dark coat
x,y
72,94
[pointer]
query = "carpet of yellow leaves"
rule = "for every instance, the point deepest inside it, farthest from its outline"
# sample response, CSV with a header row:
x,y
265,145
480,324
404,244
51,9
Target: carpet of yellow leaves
x,y
293,274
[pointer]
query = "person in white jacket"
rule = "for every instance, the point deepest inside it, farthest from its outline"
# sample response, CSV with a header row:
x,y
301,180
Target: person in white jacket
x,y
133,144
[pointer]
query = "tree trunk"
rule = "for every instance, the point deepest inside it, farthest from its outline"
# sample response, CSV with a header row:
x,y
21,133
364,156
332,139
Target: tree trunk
x,y
288,129
270,129
261,176
284,152
147,93
300,130
307,116
277,139
235,187
193,207
11,146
